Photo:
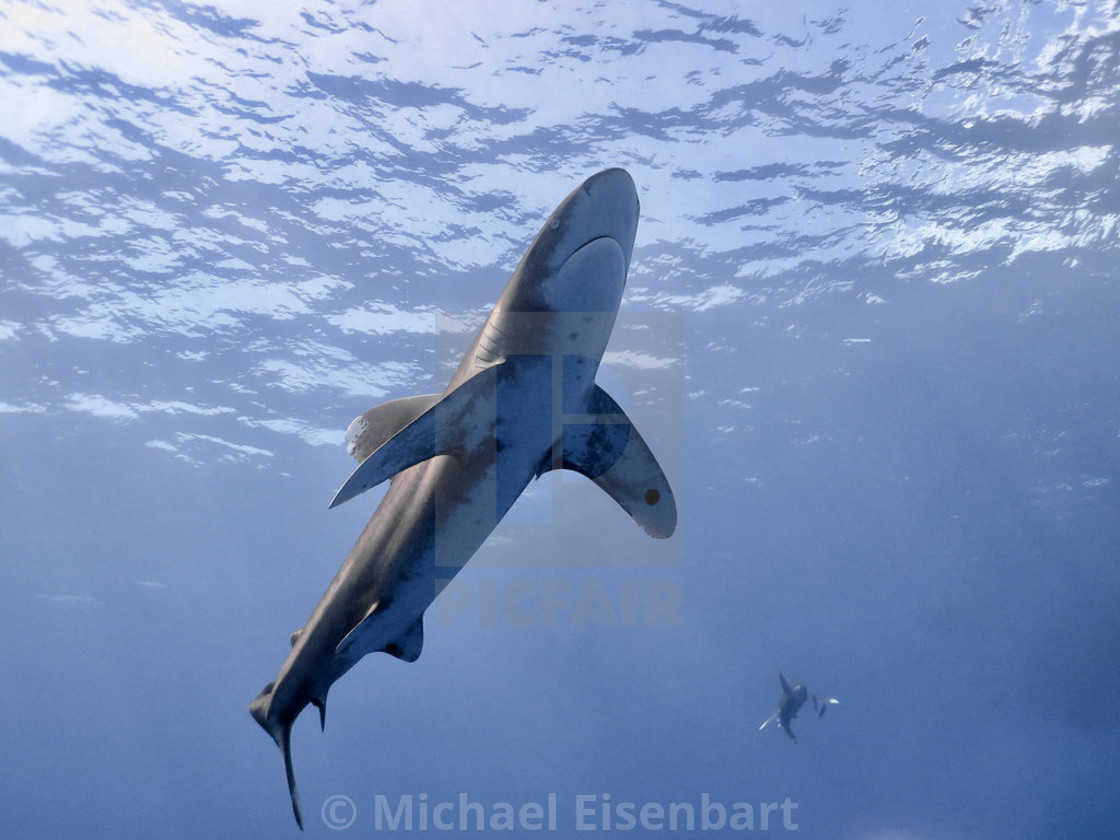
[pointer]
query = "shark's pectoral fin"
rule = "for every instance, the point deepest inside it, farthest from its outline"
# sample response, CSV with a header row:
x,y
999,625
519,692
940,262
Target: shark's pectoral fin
x,y
610,451
373,428
453,423
768,721
821,704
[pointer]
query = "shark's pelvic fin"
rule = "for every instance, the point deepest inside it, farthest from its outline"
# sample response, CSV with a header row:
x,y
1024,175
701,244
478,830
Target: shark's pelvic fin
x,y
408,646
367,638
608,450
358,629
455,422
372,428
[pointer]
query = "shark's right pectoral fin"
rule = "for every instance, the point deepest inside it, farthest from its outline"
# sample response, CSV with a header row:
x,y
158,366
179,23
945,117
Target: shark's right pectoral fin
x,y
370,429
611,452
446,425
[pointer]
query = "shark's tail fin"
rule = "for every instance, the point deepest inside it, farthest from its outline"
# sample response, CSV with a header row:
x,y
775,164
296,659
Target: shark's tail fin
x,y
281,732
286,746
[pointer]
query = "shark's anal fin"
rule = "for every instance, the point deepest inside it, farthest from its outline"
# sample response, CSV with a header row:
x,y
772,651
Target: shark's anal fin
x,y
454,422
372,428
610,451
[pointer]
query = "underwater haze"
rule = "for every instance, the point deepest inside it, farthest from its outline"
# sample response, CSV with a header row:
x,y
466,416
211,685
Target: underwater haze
x,y
871,330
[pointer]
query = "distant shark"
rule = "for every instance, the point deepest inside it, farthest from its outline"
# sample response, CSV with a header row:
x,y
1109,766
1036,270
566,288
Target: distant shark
x,y
522,402
790,703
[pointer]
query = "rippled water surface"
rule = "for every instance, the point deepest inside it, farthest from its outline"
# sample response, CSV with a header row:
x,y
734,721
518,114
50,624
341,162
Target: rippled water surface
x,y
871,322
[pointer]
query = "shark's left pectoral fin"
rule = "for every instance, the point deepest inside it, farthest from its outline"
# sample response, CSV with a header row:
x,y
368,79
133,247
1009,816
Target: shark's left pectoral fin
x,y
821,704
452,423
611,452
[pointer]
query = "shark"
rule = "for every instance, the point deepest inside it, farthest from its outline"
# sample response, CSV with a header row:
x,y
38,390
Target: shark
x,y
790,703
523,401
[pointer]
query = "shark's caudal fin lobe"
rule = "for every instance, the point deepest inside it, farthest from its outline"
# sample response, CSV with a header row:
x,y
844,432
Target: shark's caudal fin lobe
x,y
286,746
282,734
612,453
445,428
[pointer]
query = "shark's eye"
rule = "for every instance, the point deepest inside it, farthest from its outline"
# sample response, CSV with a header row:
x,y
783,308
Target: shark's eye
x,y
553,223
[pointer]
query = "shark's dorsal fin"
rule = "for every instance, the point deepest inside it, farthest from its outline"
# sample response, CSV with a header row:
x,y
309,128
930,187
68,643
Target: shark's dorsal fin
x,y
608,450
295,636
457,421
372,428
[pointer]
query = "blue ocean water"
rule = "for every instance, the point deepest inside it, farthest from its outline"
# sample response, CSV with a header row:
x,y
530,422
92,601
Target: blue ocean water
x,y
871,323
